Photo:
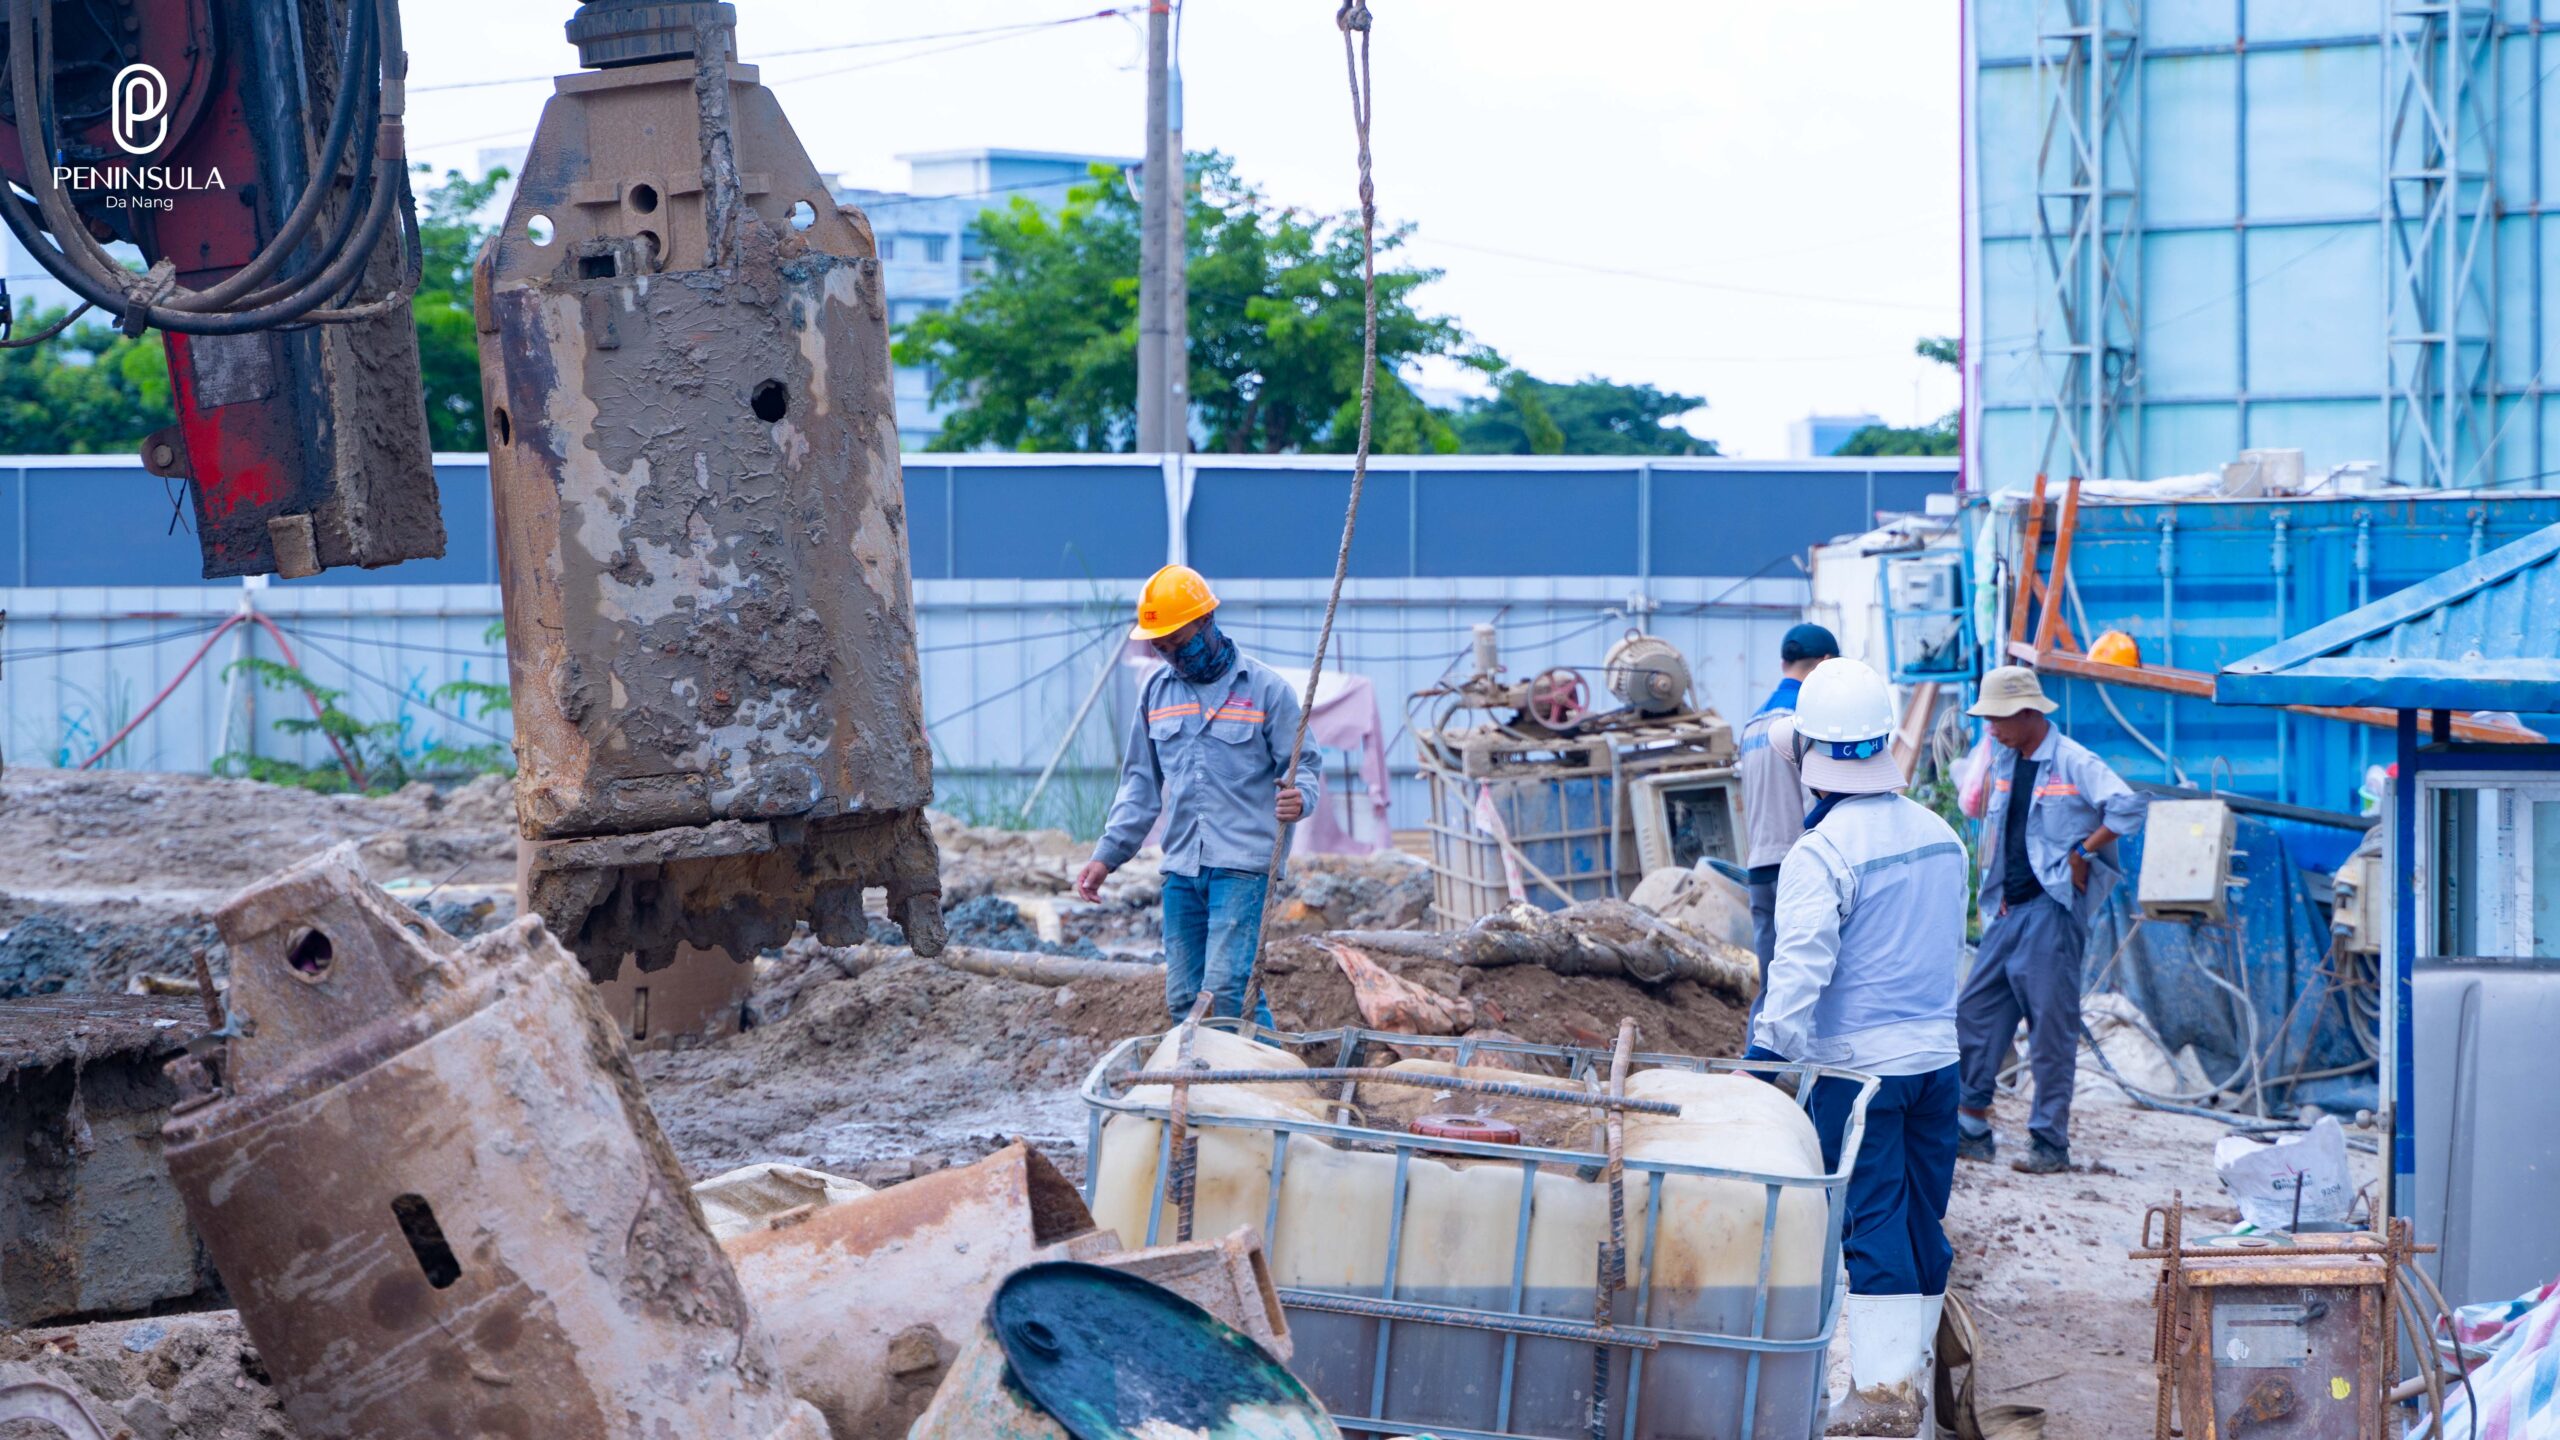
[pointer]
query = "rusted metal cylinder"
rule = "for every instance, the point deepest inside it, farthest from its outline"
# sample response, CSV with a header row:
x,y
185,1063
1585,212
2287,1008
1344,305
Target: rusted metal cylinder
x,y
609,33
431,1183
694,458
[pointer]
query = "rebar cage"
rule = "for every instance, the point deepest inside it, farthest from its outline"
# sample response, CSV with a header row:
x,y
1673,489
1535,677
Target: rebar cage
x,y
1101,1093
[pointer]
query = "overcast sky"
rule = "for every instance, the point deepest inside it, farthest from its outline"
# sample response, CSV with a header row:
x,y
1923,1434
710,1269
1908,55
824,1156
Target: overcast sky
x,y
1756,203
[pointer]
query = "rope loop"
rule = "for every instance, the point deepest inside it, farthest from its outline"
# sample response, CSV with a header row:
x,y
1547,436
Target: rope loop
x,y
158,284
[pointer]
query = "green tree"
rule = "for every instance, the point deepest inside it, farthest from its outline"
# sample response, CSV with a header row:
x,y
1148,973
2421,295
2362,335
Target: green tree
x,y
450,236
1041,355
1528,416
89,392
1937,438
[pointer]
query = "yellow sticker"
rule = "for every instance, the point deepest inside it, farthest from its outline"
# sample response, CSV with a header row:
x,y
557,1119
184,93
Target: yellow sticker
x,y
2339,1389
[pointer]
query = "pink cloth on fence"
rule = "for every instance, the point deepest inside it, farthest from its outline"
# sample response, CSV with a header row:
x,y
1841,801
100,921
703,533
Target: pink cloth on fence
x,y
1347,718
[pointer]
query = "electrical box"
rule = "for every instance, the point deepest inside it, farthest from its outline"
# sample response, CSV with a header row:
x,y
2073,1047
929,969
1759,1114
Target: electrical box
x,y
2358,914
1684,816
2186,860
1924,604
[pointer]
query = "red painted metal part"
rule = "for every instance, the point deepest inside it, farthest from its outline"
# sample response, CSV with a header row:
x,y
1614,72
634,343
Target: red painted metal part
x,y
260,414
1467,1127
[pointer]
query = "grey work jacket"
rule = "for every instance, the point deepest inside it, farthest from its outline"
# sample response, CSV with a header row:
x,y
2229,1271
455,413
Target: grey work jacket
x,y
1773,796
1208,758
2074,791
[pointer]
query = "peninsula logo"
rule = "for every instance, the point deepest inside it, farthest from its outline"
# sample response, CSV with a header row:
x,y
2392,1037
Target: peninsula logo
x,y
141,97
138,117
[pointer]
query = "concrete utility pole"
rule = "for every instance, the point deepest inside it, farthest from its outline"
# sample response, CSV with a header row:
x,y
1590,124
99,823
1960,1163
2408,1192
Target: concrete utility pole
x,y
1164,401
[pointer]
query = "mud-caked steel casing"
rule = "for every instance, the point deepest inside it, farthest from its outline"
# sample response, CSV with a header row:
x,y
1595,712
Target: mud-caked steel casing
x,y
434,1190
694,453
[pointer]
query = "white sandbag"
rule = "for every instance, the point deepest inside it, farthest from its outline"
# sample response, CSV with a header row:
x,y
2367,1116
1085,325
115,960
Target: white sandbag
x,y
2266,1179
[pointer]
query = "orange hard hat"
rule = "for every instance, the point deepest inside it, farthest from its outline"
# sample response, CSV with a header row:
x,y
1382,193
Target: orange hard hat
x,y
1174,597
2116,648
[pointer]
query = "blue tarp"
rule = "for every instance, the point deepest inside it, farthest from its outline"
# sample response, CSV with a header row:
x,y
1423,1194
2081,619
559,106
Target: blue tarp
x,y
2274,949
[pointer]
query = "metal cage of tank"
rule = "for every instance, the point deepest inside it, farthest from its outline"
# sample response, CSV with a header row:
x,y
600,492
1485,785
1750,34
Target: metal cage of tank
x,y
1589,1066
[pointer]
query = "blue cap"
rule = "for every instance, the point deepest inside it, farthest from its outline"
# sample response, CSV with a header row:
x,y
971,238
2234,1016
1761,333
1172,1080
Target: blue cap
x,y
1808,642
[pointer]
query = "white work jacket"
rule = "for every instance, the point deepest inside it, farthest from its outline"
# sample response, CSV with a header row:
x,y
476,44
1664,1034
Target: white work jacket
x,y
1870,948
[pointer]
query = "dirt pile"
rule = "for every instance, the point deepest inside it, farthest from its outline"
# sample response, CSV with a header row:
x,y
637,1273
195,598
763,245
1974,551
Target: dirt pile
x,y
95,947
902,1066
1390,891
191,1376
873,1063
71,834
111,875
1538,1005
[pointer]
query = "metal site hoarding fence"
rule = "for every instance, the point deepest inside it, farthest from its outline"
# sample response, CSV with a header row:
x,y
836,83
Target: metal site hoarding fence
x,y
1025,567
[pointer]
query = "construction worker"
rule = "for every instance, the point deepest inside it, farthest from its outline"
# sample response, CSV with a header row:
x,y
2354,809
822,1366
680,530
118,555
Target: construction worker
x,y
1211,738
1773,798
1870,949
2048,839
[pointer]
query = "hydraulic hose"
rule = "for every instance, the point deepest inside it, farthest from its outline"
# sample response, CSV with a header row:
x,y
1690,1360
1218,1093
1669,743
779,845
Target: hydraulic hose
x,y
30,84
376,31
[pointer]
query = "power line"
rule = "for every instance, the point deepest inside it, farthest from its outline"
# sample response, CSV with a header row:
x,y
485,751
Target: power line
x,y
990,31
983,38
156,637
1623,272
1025,683
399,692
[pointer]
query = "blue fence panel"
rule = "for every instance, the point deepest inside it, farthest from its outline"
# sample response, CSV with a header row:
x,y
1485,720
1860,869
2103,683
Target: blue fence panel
x,y
103,521
1028,521
1287,524
1528,522
13,489
1746,522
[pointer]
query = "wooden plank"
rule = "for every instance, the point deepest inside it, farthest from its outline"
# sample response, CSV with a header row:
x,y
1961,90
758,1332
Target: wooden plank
x,y
2060,579
2197,685
2027,567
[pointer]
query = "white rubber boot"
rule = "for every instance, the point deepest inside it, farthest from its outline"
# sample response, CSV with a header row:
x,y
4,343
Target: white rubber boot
x,y
1891,1343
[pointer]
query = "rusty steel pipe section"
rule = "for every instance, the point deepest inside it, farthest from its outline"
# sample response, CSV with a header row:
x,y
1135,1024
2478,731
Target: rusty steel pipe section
x,y
694,457
431,1183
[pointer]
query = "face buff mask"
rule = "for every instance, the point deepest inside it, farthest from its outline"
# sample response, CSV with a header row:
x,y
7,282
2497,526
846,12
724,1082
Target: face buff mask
x,y
1205,656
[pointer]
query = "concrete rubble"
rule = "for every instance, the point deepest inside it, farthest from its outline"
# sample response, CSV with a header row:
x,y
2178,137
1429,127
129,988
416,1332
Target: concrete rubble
x,y
871,1069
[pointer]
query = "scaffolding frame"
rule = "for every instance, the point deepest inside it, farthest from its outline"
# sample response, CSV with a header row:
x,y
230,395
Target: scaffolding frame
x,y
2088,60
2439,218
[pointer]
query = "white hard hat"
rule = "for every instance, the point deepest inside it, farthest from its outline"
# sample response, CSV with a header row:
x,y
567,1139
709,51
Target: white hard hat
x,y
1844,722
1843,700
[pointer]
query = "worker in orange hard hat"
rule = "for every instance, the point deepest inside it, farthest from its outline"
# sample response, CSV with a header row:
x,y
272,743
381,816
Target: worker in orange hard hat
x,y
1207,752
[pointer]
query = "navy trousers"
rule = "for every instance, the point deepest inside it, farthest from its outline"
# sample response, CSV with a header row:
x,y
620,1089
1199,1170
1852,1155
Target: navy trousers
x,y
1895,1237
1764,934
2028,964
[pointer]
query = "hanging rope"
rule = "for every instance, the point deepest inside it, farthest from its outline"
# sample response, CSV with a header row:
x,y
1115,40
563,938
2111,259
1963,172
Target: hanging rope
x,y
1353,20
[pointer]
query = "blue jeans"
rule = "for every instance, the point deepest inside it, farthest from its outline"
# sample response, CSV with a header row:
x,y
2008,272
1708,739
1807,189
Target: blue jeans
x,y
1895,1238
1212,925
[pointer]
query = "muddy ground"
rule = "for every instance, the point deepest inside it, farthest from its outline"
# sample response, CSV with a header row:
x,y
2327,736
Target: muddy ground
x,y
880,1065
2065,1318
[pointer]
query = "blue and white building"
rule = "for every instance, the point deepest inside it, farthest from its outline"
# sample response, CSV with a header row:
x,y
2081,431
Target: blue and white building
x,y
1815,436
929,246
2200,226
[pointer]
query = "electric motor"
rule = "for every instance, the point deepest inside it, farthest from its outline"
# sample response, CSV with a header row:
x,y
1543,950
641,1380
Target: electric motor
x,y
1648,674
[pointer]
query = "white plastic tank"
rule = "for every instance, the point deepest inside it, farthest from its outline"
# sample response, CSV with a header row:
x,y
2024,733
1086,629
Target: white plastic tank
x,y
1461,1221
